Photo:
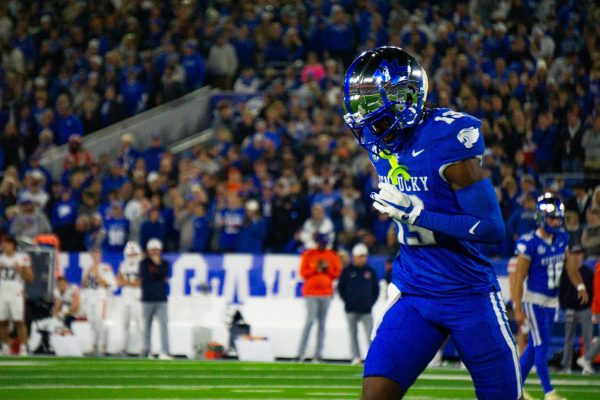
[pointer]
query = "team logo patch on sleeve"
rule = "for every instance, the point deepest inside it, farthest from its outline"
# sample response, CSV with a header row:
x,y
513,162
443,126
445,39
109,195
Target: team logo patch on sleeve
x,y
521,248
468,136
541,250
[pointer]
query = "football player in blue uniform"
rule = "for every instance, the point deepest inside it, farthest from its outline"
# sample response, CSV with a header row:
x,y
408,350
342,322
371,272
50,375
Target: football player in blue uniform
x,y
540,259
432,185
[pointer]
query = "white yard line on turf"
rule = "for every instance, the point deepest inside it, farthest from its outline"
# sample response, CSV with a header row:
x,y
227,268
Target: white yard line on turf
x,y
192,376
256,391
178,376
178,387
23,364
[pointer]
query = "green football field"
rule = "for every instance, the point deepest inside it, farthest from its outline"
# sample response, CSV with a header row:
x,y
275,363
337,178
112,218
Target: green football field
x,y
113,378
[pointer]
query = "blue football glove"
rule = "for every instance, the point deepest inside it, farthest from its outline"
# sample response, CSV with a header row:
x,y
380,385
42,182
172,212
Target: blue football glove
x,y
395,204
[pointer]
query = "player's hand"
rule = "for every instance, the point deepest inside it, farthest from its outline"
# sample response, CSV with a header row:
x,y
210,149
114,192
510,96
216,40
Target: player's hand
x,y
519,315
583,296
395,204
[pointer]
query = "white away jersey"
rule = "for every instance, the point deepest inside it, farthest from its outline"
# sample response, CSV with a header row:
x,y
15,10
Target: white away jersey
x,y
93,288
130,271
10,278
66,298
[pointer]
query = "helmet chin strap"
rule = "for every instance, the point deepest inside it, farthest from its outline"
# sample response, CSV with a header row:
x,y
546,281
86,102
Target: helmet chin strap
x,y
552,230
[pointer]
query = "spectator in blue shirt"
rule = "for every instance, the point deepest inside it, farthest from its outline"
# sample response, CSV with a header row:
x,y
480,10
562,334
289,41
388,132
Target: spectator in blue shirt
x,y
67,123
229,222
127,153
194,66
340,35
153,227
116,227
115,179
133,94
523,219
201,233
153,153
64,214
252,234
381,226
545,136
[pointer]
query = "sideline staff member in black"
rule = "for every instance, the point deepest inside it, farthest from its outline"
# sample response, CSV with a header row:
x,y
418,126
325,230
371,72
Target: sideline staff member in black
x,y
154,275
359,288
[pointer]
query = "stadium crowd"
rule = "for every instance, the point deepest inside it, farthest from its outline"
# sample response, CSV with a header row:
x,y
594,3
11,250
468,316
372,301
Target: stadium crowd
x,y
284,167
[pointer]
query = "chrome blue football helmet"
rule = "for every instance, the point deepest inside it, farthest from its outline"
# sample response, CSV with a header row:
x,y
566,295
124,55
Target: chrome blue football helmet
x,y
549,206
384,91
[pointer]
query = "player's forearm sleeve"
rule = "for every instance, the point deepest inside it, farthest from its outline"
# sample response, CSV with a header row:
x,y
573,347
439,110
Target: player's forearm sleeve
x,y
481,221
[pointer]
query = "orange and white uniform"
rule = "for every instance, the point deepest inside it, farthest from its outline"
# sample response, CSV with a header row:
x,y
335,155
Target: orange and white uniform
x,y
94,300
12,286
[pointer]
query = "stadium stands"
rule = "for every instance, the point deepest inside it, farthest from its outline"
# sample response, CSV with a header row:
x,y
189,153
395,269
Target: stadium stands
x,y
530,73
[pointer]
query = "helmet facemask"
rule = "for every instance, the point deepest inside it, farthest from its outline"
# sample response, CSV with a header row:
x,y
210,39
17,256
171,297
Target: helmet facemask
x,y
549,207
384,91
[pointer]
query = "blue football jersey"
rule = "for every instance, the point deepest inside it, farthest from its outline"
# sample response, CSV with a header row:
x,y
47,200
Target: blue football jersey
x,y
547,261
432,263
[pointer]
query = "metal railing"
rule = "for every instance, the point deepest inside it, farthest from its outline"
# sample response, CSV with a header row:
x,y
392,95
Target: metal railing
x,y
173,121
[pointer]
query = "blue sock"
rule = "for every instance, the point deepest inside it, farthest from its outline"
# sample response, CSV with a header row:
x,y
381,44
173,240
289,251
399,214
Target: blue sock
x,y
541,364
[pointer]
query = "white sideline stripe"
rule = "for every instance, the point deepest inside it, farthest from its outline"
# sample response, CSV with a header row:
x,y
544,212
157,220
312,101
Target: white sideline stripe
x,y
509,341
422,377
195,376
272,387
23,364
537,340
144,368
